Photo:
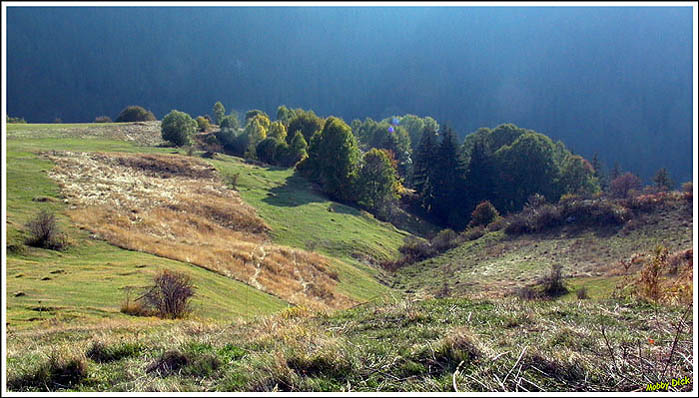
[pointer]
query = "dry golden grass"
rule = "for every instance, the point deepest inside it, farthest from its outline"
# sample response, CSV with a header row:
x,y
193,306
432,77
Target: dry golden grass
x,y
177,207
660,277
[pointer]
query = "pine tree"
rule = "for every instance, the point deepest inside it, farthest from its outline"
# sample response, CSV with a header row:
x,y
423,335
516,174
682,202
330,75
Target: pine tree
x,y
425,154
480,175
616,171
599,172
662,180
447,173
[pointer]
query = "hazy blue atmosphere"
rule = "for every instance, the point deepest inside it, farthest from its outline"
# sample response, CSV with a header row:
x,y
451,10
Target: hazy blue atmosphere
x,y
616,81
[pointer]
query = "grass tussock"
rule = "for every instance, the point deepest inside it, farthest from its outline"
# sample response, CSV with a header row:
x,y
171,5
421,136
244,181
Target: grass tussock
x,y
61,370
178,207
103,352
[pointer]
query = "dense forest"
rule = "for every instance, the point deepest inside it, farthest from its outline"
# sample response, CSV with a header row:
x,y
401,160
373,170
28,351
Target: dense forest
x,y
616,81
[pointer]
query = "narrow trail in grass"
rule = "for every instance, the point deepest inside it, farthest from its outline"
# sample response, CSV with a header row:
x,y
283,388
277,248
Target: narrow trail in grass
x,y
302,281
257,261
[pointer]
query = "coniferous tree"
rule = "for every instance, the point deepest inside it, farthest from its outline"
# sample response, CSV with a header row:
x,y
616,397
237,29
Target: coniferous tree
x,y
425,154
480,175
298,147
448,183
662,180
599,172
616,171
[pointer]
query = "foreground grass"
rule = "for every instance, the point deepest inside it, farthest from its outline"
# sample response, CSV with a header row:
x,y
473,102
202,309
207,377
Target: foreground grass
x,y
432,345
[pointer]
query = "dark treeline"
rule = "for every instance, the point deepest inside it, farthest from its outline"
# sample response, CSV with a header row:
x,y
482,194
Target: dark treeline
x,y
612,80
411,161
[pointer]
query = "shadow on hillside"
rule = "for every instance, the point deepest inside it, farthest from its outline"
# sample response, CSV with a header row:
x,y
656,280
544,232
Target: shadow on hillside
x,y
296,191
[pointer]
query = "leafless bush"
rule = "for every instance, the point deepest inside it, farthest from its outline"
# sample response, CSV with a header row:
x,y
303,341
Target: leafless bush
x,y
232,180
553,285
170,294
134,306
44,232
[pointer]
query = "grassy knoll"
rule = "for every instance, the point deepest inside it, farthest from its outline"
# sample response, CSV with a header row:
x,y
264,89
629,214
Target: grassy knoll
x,y
432,345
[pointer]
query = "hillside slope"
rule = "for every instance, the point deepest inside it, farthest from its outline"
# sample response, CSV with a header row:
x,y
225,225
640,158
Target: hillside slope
x,y
130,159
496,263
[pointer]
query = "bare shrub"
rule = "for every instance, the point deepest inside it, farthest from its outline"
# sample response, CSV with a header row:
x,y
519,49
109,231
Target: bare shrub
x,y
414,249
544,217
688,191
444,291
134,306
44,232
594,212
552,283
170,295
232,181
625,185
516,225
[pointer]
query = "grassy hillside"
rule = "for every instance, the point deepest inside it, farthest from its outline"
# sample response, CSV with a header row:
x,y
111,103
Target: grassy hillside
x,y
496,263
87,281
65,331
346,235
302,217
